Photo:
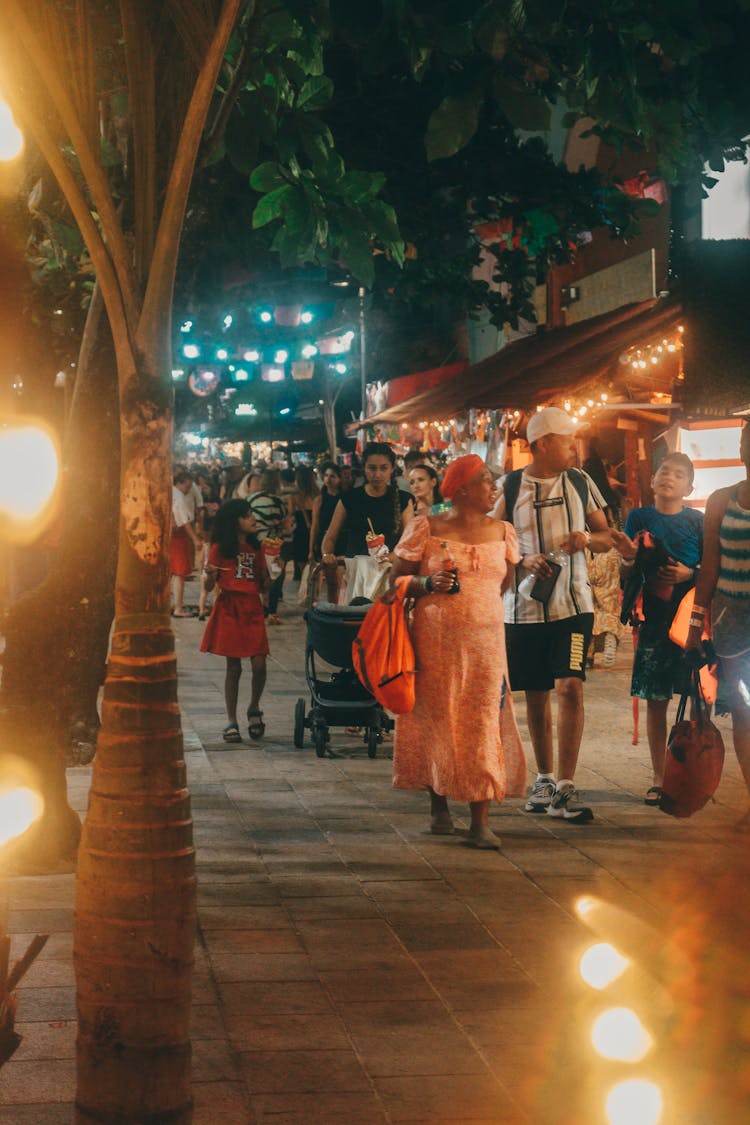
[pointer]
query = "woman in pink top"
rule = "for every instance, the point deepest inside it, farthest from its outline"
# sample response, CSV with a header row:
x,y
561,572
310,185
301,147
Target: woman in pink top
x,y
461,741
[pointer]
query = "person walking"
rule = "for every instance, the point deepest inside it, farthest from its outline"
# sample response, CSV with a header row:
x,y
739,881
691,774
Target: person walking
x,y
723,585
185,542
554,508
461,741
236,628
658,668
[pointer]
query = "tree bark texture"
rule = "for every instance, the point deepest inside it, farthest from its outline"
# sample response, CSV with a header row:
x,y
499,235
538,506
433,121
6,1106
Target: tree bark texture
x,y
135,891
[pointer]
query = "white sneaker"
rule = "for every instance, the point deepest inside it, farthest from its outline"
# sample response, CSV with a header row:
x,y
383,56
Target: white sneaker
x,y
540,796
563,806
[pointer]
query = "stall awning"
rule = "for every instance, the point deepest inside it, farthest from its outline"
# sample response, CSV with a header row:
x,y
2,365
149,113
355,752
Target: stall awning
x,y
536,370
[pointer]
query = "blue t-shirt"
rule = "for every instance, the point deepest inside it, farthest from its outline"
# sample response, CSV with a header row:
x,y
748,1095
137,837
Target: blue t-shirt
x,y
682,535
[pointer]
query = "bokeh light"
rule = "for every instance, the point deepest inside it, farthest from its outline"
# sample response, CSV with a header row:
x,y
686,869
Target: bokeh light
x,y
11,137
634,1102
619,1034
601,964
29,471
19,808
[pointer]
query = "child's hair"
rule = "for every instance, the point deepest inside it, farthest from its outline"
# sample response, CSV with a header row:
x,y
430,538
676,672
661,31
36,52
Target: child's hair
x,y
679,459
225,530
383,449
270,481
305,481
326,466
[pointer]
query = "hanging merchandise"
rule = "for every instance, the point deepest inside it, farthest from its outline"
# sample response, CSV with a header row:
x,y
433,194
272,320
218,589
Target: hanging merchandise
x,y
303,369
288,316
336,345
203,382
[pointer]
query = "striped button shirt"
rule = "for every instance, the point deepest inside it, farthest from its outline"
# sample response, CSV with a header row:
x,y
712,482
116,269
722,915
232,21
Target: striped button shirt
x,y
734,542
544,514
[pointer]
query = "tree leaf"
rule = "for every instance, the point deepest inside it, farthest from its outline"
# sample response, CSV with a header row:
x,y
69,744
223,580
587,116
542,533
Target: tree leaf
x,y
267,177
271,206
524,108
361,187
316,93
451,126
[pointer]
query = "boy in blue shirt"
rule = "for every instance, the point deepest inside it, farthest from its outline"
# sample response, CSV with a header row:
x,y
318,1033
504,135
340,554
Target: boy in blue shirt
x,y
658,664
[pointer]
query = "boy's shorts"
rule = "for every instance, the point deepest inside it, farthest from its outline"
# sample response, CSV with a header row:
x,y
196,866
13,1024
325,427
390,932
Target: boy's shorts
x,y
546,651
659,670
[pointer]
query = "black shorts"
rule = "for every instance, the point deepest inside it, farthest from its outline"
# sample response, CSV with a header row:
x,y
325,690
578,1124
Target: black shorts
x,y
539,654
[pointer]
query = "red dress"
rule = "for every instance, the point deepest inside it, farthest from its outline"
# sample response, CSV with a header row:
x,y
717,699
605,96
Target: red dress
x,y
236,626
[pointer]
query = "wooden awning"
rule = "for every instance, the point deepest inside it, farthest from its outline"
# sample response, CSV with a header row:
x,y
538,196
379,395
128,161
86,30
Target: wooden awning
x,y
537,370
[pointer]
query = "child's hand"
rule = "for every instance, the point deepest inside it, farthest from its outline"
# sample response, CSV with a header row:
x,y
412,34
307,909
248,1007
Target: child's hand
x,y
674,573
623,544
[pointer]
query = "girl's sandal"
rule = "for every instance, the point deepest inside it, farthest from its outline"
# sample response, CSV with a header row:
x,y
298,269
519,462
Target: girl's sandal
x,y
256,727
232,733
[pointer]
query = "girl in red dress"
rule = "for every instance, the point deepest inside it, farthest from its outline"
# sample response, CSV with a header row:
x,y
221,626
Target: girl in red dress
x,y
236,627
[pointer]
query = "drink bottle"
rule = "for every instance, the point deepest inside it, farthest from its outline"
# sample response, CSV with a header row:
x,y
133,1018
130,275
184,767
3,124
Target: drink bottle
x,y
450,564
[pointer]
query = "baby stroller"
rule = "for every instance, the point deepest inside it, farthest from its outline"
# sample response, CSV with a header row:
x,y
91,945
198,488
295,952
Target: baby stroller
x,y
338,697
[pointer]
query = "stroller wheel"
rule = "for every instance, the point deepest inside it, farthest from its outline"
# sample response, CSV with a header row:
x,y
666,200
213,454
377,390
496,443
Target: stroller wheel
x,y
319,738
373,738
299,724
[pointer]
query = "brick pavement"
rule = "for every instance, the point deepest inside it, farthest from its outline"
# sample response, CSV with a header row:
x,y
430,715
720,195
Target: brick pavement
x,y
349,966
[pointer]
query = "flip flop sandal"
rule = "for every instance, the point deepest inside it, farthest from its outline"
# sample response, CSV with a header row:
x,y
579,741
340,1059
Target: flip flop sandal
x,y
231,733
256,727
653,795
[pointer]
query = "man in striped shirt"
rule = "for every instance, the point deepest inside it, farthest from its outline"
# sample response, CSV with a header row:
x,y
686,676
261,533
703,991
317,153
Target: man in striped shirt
x,y
556,509
723,583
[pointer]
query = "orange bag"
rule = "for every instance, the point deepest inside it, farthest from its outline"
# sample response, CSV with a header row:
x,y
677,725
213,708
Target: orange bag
x,y
383,654
678,634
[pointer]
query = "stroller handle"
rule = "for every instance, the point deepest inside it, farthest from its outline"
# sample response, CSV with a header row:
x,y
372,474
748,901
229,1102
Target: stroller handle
x,y
315,573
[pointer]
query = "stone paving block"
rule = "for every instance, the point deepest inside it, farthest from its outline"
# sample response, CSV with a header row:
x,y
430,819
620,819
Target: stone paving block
x,y
318,1109
248,916
286,1072
335,907
263,941
443,935
260,966
299,886
448,1098
38,1114
334,936
26,1082
287,1031
274,997
46,1040
213,1061
39,1004
206,1022
401,983
221,1103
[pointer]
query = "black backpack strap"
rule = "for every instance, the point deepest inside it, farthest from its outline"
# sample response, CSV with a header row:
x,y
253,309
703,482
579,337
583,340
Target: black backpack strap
x,y
511,488
578,480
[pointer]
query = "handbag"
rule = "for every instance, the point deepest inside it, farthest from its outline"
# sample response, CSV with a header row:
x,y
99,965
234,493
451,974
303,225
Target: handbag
x,y
695,757
383,653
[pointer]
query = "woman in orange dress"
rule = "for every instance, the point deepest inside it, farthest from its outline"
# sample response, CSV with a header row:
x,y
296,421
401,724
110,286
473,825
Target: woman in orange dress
x,y
461,741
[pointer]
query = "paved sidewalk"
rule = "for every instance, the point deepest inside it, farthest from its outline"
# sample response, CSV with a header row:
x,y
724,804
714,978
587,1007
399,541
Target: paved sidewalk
x,y
352,968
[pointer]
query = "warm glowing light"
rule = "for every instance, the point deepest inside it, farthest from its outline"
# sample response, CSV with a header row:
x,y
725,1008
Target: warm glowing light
x,y
602,964
19,808
29,468
191,351
566,404
11,137
228,320
306,317
634,1102
309,351
619,1034
604,396
252,355
222,353
585,905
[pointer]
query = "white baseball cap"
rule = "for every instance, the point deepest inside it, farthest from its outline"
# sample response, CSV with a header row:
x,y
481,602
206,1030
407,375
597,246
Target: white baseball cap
x,y
551,420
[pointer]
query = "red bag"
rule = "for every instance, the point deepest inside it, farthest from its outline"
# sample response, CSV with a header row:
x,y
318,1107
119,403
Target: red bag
x,y
383,654
695,757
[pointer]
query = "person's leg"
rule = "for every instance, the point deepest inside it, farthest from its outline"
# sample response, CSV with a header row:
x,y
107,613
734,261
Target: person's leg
x,y
441,821
273,599
569,692
259,672
178,593
231,687
656,732
539,718
480,833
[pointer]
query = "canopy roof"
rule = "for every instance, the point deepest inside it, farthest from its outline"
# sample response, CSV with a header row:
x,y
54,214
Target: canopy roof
x,y
539,369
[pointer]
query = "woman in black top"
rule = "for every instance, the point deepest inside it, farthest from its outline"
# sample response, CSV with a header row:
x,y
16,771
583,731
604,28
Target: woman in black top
x,y
378,508
324,505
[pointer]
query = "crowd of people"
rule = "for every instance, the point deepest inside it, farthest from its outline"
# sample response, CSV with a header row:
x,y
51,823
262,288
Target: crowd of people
x,y
521,553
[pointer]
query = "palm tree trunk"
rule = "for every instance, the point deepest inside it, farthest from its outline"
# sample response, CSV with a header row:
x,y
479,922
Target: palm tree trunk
x,y
135,892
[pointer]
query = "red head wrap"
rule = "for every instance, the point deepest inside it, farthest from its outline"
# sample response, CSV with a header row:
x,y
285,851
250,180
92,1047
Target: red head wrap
x,y
459,473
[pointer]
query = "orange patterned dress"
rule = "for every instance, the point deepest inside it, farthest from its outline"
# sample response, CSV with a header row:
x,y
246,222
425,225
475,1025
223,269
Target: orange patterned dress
x,y
461,739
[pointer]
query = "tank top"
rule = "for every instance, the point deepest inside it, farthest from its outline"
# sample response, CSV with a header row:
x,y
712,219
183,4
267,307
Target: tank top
x,y
730,605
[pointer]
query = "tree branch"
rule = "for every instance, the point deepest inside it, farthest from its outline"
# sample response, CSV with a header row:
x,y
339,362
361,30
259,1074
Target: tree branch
x,y
91,168
216,130
164,262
